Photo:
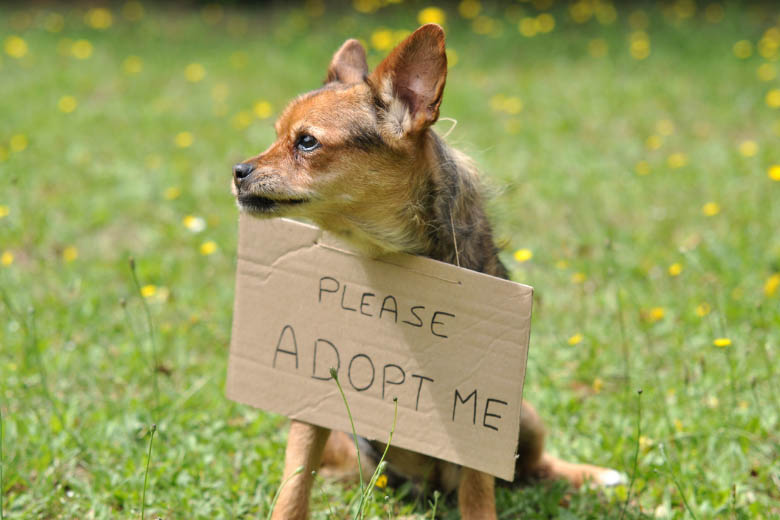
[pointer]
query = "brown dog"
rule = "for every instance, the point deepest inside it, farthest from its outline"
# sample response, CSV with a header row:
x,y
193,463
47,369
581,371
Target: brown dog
x,y
358,158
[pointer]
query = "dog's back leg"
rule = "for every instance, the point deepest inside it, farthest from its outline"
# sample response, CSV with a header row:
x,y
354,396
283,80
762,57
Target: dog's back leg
x,y
305,445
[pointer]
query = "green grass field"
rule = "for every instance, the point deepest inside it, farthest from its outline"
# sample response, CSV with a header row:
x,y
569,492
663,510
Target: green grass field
x,y
634,158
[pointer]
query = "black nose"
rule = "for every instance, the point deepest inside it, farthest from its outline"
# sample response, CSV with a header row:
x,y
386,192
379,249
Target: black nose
x,y
242,170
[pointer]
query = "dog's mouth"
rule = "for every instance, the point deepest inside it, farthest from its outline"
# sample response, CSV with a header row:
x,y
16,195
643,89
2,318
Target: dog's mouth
x,y
260,204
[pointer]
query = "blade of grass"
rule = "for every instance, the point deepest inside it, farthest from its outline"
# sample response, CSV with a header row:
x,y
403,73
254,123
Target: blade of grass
x,y
636,451
146,473
676,482
2,462
334,374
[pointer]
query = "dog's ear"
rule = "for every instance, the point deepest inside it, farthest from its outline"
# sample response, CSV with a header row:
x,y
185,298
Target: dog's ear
x,y
348,64
410,81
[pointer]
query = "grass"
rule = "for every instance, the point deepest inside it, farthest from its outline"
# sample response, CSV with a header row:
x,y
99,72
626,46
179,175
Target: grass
x,y
641,187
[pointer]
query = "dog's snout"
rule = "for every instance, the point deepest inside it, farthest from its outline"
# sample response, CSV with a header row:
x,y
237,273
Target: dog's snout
x,y
242,170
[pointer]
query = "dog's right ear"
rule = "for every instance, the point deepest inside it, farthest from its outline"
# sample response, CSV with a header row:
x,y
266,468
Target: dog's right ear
x,y
348,64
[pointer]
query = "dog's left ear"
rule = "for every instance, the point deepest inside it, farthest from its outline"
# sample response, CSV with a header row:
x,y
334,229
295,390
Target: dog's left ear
x,y
410,81
348,64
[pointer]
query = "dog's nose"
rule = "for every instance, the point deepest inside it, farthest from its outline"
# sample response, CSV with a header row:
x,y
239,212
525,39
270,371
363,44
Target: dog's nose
x,y
242,170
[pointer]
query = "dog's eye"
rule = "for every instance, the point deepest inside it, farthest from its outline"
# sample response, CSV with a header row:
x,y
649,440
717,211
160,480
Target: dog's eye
x,y
307,143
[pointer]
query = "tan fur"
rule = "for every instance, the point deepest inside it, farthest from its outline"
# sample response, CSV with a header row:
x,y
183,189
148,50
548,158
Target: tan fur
x,y
383,180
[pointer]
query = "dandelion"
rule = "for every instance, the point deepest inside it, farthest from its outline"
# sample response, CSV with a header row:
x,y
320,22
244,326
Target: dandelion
x,y
748,148
771,284
773,98
381,482
642,168
712,401
598,385
653,142
675,269
67,104
183,139
81,49
678,425
774,172
645,443
382,39
743,49
703,309
7,258
664,127
194,224
655,314
132,65
545,22
597,47
523,255
722,342
99,18
766,72
194,72
528,27
4,211
677,160
561,264
431,15
172,193
147,291
574,340
133,11
208,247
15,47
469,8
70,253
710,209
18,143
743,405
581,11
578,277
605,13
3,153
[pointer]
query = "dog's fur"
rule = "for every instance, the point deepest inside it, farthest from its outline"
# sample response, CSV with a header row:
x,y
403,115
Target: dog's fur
x,y
377,175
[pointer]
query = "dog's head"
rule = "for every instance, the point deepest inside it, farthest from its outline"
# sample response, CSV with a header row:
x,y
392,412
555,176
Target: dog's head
x,y
347,152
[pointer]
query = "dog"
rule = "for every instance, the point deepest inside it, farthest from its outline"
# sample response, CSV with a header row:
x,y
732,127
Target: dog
x,y
358,158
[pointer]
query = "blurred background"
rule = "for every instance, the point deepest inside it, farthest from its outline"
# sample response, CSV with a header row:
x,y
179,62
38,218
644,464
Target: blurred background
x,y
632,153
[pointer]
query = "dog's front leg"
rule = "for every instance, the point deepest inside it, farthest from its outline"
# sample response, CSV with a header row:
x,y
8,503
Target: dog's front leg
x,y
304,448
476,495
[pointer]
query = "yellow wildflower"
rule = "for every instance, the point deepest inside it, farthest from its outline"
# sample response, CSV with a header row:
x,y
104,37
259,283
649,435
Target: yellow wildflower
x,y
722,342
743,49
656,314
242,120
561,264
381,482
645,443
7,258
577,338
710,209
774,172
4,211
194,224
675,269
703,309
597,385
54,22
366,6
578,277
15,47
452,57
664,127
81,49
653,142
678,425
469,8
183,139
523,255
194,72
382,39
147,291
639,45
677,160
545,22
743,405
581,11
431,15
172,192
208,247
99,18
132,65
3,153
18,142
773,98
642,168
766,72
67,104
748,148
528,27
771,285
70,253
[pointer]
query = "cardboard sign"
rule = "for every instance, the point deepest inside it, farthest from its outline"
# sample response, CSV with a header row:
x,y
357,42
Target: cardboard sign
x,y
449,343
